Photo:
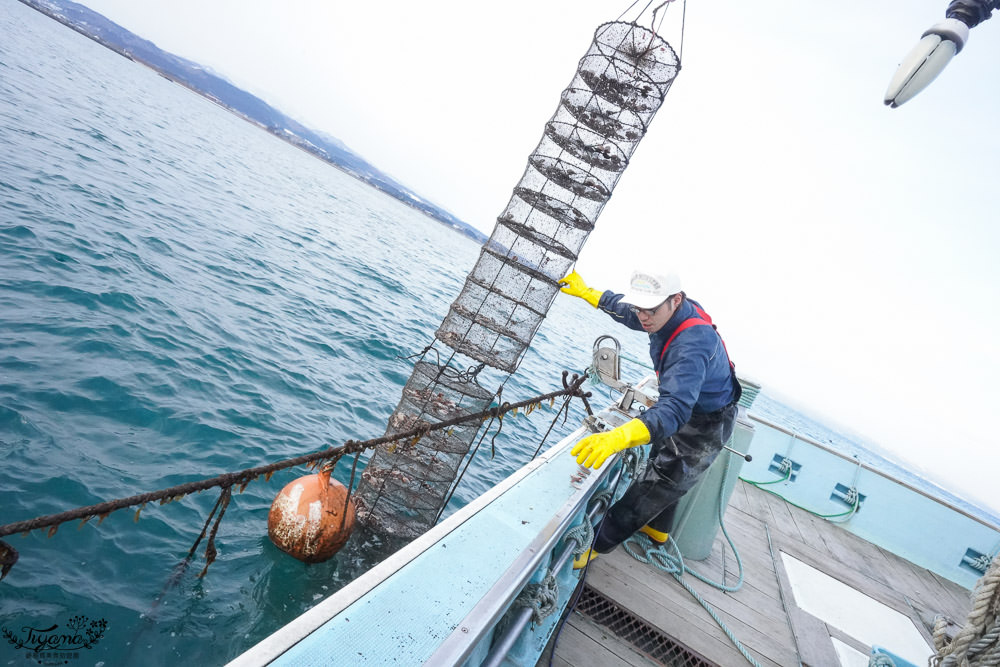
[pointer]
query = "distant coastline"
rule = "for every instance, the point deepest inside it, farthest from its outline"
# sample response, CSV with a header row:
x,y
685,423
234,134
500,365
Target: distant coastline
x,y
248,107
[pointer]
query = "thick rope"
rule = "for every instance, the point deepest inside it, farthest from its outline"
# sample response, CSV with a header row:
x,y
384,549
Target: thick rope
x,y
241,478
940,633
986,647
604,496
8,556
582,535
841,517
978,642
542,598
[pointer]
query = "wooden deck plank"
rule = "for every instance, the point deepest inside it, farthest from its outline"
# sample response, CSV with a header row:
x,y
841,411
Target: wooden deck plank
x,y
752,604
556,662
673,624
812,640
828,562
763,614
857,579
750,540
726,570
844,547
752,553
959,597
757,563
873,556
905,576
881,565
760,509
784,522
738,500
812,528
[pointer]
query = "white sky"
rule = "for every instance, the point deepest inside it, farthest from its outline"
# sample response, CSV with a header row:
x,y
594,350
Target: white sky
x,y
845,249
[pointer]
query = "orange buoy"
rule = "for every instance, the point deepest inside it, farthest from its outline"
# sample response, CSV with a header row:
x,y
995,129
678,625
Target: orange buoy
x,y
308,519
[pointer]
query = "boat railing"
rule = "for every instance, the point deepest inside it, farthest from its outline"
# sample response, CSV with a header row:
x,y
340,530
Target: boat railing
x,y
483,619
875,505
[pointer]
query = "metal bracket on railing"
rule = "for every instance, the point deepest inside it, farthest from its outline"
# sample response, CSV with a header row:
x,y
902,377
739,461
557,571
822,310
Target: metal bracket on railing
x,y
628,398
595,424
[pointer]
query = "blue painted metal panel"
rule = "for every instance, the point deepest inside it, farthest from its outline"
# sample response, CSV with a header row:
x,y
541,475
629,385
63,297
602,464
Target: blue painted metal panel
x,y
893,516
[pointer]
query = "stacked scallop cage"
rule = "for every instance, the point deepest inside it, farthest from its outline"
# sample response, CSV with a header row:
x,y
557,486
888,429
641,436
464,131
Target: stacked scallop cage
x,y
603,114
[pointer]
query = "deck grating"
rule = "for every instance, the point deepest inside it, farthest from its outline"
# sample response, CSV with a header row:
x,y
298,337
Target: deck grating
x,y
644,637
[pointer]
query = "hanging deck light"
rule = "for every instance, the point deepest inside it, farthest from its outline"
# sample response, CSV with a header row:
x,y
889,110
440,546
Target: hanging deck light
x,y
937,46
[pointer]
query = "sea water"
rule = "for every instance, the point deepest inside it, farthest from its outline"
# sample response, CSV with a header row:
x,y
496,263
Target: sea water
x,y
184,295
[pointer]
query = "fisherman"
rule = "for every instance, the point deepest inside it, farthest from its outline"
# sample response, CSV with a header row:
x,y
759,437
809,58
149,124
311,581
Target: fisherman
x,y
690,422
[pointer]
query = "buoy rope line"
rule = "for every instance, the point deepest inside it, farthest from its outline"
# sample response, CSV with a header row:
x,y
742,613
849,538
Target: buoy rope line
x,y
563,411
241,478
978,642
468,376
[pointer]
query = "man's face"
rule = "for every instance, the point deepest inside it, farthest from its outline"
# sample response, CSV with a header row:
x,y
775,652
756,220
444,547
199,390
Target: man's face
x,y
653,319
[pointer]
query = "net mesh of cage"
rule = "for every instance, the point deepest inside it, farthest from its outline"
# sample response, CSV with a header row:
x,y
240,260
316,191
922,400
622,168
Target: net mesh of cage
x,y
602,115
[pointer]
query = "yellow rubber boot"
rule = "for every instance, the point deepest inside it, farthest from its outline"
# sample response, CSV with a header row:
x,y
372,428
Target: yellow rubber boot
x,y
655,535
584,558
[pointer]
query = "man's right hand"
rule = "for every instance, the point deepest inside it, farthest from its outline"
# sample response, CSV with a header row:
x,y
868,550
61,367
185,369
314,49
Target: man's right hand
x,y
593,450
574,286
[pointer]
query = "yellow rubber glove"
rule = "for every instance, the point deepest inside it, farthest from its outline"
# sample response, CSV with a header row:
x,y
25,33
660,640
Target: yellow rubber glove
x,y
574,286
593,450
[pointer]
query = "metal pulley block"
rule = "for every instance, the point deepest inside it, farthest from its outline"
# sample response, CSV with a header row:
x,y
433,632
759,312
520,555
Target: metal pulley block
x,y
606,361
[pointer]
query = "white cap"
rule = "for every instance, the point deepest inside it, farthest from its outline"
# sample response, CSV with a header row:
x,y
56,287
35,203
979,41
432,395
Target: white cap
x,y
648,290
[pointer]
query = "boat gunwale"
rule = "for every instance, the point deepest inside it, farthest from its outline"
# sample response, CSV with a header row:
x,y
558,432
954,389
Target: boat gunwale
x,y
484,616
276,644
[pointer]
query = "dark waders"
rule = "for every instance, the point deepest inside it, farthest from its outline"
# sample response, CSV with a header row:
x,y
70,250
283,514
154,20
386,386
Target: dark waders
x,y
674,467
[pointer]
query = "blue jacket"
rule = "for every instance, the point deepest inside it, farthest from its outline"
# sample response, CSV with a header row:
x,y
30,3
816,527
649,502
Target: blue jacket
x,y
695,376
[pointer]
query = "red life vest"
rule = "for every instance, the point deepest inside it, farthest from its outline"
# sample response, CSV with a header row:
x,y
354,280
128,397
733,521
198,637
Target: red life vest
x,y
702,319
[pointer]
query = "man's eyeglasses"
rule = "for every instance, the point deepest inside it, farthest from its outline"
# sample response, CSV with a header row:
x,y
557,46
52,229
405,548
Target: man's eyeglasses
x,y
648,312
